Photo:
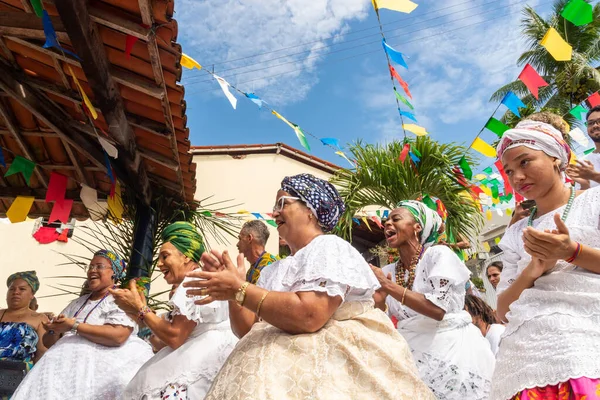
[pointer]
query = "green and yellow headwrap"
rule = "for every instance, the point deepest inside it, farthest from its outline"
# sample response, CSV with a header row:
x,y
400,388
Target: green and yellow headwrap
x,y
429,220
185,238
28,276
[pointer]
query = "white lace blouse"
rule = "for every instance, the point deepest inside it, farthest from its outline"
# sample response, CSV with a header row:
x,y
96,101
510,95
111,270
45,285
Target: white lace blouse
x,y
327,264
440,276
99,312
553,333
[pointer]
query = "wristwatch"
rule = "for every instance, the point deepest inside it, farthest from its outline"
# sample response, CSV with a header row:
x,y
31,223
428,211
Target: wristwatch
x,y
240,295
74,328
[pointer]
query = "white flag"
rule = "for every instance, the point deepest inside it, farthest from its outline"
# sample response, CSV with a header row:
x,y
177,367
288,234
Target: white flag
x,y
225,87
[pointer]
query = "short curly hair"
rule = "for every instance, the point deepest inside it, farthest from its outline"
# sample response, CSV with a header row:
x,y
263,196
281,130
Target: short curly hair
x,y
551,119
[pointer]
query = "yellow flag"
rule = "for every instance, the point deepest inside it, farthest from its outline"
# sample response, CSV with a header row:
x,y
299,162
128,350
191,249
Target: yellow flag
x,y
486,190
480,177
488,215
281,117
115,205
19,209
497,240
509,211
189,62
86,100
486,247
556,46
243,212
405,6
364,219
416,129
573,158
481,146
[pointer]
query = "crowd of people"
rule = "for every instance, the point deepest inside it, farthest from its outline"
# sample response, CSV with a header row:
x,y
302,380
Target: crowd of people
x,y
322,323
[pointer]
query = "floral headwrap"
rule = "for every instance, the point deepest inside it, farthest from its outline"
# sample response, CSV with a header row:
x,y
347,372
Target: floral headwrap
x,y
28,276
185,238
536,136
319,195
116,262
429,220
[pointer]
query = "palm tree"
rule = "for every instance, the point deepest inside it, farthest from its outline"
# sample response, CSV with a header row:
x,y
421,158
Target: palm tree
x,y
569,82
381,179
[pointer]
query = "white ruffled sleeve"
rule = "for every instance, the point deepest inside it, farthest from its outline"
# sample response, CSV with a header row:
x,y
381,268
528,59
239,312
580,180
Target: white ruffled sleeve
x,y
331,265
113,315
73,306
215,312
445,277
510,257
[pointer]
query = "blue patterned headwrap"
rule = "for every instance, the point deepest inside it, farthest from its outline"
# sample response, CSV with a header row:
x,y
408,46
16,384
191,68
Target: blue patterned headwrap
x,y
319,195
28,276
116,262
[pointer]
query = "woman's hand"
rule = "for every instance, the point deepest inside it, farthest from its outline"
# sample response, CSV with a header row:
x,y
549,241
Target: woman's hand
x,y
538,267
381,294
549,245
222,284
129,300
59,325
519,213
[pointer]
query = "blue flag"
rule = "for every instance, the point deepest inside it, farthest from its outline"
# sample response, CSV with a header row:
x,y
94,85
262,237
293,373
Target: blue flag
x,y
407,115
50,33
513,103
331,142
2,159
258,215
255,99
356,220
414,157
109,169
394,55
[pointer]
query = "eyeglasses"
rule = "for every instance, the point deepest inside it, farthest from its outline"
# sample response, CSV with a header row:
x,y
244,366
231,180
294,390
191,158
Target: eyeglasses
x,y
593,122
281,202
96,267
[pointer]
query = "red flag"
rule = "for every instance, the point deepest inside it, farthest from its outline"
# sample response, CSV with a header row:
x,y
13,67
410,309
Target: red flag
x,y
400,81
507,188
594,100
57,188
377,221
441,209
129,42
518,198
460,178
61,211
532,80
64,236
404,152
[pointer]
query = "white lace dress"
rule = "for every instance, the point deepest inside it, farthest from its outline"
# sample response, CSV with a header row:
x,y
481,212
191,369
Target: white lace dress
x,y
357,354
553,330
453,357
76,368
193,365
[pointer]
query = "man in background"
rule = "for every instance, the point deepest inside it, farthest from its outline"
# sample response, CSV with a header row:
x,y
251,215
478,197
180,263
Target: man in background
x,y
251,242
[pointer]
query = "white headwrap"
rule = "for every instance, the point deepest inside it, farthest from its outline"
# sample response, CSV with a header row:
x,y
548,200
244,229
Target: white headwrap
x,y
537,136
429,220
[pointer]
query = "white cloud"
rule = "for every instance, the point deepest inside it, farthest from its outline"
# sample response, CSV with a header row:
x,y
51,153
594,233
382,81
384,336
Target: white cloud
x,y
221,30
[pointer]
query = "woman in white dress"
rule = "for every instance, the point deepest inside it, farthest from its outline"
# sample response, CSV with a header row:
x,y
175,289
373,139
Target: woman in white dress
x,y
93,347
425,292
316,334
549,291
485,319
197,339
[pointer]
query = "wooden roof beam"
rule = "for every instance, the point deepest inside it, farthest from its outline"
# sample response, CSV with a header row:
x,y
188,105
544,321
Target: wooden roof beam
x,y
88,45
28,25
9,193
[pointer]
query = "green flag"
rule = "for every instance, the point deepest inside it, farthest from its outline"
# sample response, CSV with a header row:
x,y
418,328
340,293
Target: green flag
x,y
496,126
272,223
466,169
494,192
404,100
37,7
488,170
588,151
578,112
578,12
22,165
301,137
429,202
416,152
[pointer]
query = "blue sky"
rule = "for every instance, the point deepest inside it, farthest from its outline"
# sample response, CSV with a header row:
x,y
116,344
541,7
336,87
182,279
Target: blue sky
x,y
458,51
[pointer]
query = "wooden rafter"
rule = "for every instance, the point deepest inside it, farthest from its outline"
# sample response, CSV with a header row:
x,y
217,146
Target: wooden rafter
x,y
9,193
28,25
14,129
88,45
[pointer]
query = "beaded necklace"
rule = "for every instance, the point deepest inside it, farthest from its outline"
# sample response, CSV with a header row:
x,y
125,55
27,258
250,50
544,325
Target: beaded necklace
x,y
93,308
401,270
565,213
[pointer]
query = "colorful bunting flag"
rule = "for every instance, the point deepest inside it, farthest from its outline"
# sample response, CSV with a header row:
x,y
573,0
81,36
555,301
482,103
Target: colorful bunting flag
x,y
532,80
496,126
225,88
513,103
364,219
488,215
400,81
594,100
189,63
486,247
580,137
2,161
428,201
404,152
578,12
588,151
272,223
403,99
115,205
57,187
481,146
50,33
507,188
108,147
343,155
89,198
257,215
441,209
22,165
38,8
408,115
20,208
377,221
84,96
414,157
466,168
404,6
416,129
331,142
488,171
558,48
255,99
46,234
579,112
394,55
129,43
61,211
296,128
356,220
509,211
495,193
460,178
480,177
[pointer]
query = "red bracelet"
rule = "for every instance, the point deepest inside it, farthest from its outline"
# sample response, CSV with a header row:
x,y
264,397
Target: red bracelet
x,y
575,253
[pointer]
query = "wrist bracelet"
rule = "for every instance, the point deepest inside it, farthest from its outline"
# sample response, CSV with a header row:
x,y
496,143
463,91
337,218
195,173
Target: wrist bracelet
x,y
575,253
403,295
143,311
260,303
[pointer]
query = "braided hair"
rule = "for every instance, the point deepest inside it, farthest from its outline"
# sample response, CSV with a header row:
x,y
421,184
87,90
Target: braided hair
x,y
479,308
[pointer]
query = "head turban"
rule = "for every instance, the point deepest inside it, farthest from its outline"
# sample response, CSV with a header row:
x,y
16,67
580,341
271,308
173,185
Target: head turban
x,y
185,238
429,220
28,276
536,136
116,262
319,195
